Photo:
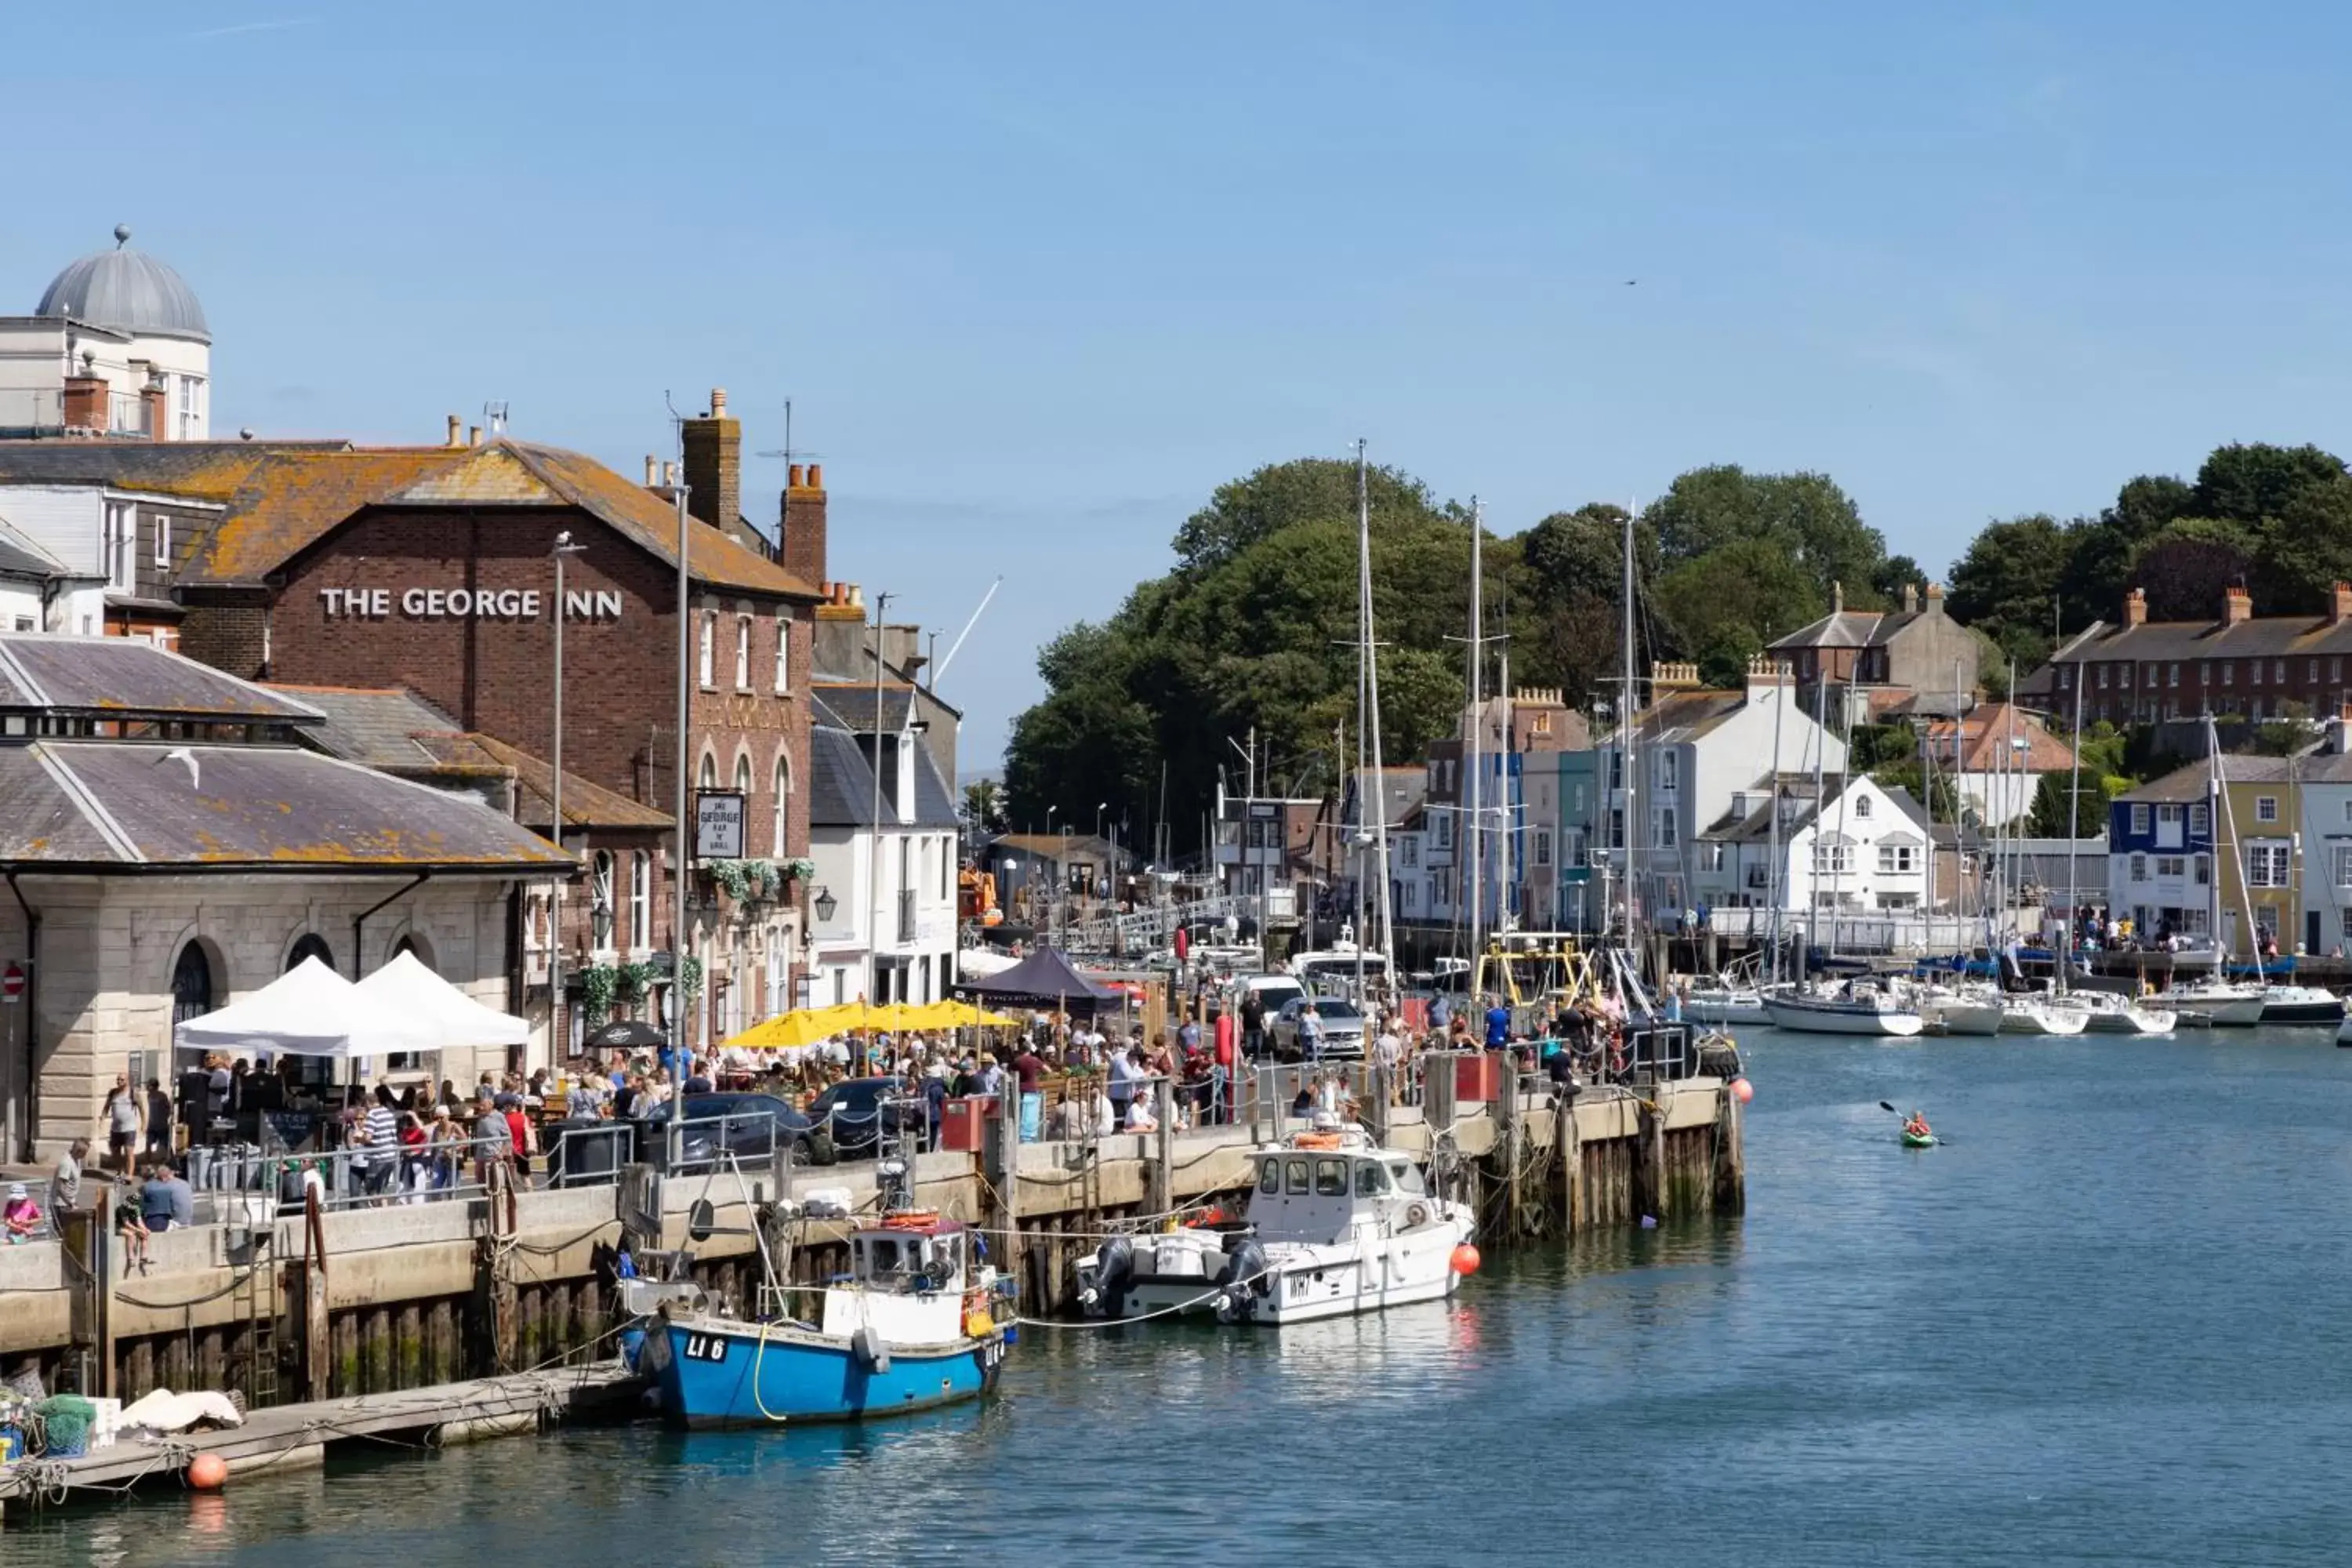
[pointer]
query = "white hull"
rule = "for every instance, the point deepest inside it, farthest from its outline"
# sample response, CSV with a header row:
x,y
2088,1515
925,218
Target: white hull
x,y
2222,1009
1725,1007
1301,1295
1964,1016
2040,1019
2129,1019
1813,1017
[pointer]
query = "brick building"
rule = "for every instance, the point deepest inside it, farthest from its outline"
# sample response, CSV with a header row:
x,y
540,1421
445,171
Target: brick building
x,y
2138,671
430,569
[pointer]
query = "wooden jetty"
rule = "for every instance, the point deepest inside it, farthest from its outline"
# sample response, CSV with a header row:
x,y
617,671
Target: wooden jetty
x,y
297,1436
423,1312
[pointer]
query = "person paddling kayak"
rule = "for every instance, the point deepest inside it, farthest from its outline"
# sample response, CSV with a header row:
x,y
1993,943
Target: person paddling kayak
x,y
1915,1131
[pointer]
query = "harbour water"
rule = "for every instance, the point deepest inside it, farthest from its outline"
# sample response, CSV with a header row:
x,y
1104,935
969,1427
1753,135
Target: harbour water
x,y
2106,1321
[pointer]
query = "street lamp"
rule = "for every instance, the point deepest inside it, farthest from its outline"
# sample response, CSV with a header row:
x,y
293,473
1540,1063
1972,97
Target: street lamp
x,y
825,905
557,1027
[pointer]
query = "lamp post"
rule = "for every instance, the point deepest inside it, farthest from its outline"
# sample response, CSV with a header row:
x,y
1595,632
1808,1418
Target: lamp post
x,y
558,1026
874,859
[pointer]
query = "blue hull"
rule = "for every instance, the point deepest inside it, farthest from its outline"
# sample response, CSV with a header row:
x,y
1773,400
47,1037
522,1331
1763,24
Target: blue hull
x,y
722,1374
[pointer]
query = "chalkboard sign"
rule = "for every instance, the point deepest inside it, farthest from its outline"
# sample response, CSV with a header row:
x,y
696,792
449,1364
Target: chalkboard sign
x,y
291,1129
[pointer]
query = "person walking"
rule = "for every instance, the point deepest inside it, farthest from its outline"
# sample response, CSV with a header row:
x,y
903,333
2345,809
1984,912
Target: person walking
x,y
122,1114
1029,1074
493,1140
65,1183
1310,1032
159,1120
379,1140
1253,1025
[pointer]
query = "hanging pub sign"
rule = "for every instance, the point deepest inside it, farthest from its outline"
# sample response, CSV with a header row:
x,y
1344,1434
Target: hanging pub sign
x,y
718,824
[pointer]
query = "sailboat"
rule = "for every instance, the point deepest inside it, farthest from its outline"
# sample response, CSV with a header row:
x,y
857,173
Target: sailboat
x,y
2214,1000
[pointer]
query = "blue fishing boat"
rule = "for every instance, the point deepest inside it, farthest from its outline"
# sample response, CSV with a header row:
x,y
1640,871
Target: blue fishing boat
x,y
909,1328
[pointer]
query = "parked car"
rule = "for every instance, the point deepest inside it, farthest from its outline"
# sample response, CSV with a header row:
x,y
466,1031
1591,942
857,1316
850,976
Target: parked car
x,y
752,1124
854,1108
1343,1027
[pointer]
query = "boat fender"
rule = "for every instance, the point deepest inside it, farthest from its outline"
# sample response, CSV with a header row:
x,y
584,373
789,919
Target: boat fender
x,y
870,1351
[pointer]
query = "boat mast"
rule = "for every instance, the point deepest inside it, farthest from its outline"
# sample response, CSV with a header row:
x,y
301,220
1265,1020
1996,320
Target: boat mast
x,y
1383,906
1505,807
1474,876
1625,757
2073,839
1772,804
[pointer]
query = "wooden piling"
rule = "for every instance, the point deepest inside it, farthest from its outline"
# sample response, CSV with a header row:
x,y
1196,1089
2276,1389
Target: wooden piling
x,y
1730,1157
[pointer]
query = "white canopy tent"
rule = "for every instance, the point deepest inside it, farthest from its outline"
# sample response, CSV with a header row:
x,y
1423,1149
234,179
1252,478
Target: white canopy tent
x,y
309,1011
406,989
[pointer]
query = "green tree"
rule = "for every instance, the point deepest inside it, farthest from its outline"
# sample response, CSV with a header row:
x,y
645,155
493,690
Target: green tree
x,y
2252,483
2099,558
1246,510
2185,567
983,807
2009,579
1727,605
2307,551
1805,515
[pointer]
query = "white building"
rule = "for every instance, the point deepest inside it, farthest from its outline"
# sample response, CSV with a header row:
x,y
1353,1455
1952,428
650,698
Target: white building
x,y
118,346
34,584
1863,849
1698,749
891,937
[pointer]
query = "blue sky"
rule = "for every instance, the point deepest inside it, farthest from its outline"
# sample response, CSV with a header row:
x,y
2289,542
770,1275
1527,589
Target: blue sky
x,y
1038,278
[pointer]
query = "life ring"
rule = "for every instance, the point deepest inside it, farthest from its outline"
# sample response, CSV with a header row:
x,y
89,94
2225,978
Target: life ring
x,y
1416,1216
1316,1140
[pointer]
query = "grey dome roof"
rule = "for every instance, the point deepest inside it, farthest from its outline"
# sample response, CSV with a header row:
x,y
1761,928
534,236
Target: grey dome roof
x,y
129,291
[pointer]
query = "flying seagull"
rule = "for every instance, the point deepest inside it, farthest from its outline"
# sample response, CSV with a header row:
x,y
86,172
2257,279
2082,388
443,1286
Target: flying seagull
x,y
182,755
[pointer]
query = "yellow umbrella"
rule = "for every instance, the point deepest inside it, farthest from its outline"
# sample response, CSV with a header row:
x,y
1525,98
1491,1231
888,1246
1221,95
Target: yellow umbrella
x,y
804,1026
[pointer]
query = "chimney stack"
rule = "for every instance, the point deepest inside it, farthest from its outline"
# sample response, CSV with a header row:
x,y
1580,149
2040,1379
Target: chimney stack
x,y
2237,606
2135,608
669,475
87,400
156,395
1910,598
1935,598
455,431
473,434
653,471
800,546
2340,605
714,465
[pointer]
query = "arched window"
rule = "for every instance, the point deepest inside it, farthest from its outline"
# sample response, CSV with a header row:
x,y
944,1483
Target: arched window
x,y
708,777
742,653
709,649
743,779
784,654
313,946
784,806
192,985
641,901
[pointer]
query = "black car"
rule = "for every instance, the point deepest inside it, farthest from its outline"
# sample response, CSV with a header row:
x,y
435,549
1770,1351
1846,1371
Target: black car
x,y
751,1124
854,1107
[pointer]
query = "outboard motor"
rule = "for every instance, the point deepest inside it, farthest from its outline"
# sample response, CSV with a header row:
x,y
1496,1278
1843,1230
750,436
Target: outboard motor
x,y
1114,1272
1242,1280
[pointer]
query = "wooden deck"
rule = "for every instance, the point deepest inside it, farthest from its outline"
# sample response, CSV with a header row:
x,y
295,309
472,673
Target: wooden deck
x,y
293,1437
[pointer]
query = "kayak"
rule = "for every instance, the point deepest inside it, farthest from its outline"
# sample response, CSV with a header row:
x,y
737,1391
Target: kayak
x,y
1918,1139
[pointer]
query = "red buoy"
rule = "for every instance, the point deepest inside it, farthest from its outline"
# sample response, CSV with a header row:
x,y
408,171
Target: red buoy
x,y
1465,1260
207,1472
1742,1090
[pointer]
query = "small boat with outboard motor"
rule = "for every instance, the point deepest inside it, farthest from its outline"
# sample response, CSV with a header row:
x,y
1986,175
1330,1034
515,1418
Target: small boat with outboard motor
x,y
1335,1225
911,1327
1856,1008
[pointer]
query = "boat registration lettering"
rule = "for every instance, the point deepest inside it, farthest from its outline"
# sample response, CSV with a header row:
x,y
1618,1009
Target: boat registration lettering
x,y
991,1353
704,1347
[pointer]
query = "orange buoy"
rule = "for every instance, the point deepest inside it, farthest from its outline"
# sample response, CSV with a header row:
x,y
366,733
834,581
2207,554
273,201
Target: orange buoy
x,y
1742,1090
207,1472
1465,1260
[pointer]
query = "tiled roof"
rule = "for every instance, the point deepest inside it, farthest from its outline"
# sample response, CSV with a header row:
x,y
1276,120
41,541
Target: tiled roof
x,y
243,807
585,803
2269,636
124,678
1686,716
281,498
21,557
840,784
1986,737
1839,628
375,727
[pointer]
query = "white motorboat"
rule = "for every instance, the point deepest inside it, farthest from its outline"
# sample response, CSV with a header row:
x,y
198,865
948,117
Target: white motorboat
x,y
2219,1003
1969,1011
1721,1004
1858,1010
2040,1015
2301,1005
2104,1013
1336,1226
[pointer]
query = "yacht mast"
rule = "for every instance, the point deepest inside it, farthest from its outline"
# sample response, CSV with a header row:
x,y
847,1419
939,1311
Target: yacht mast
x,y
2074,839
1383,909
1473,865
1626,760
1772,891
